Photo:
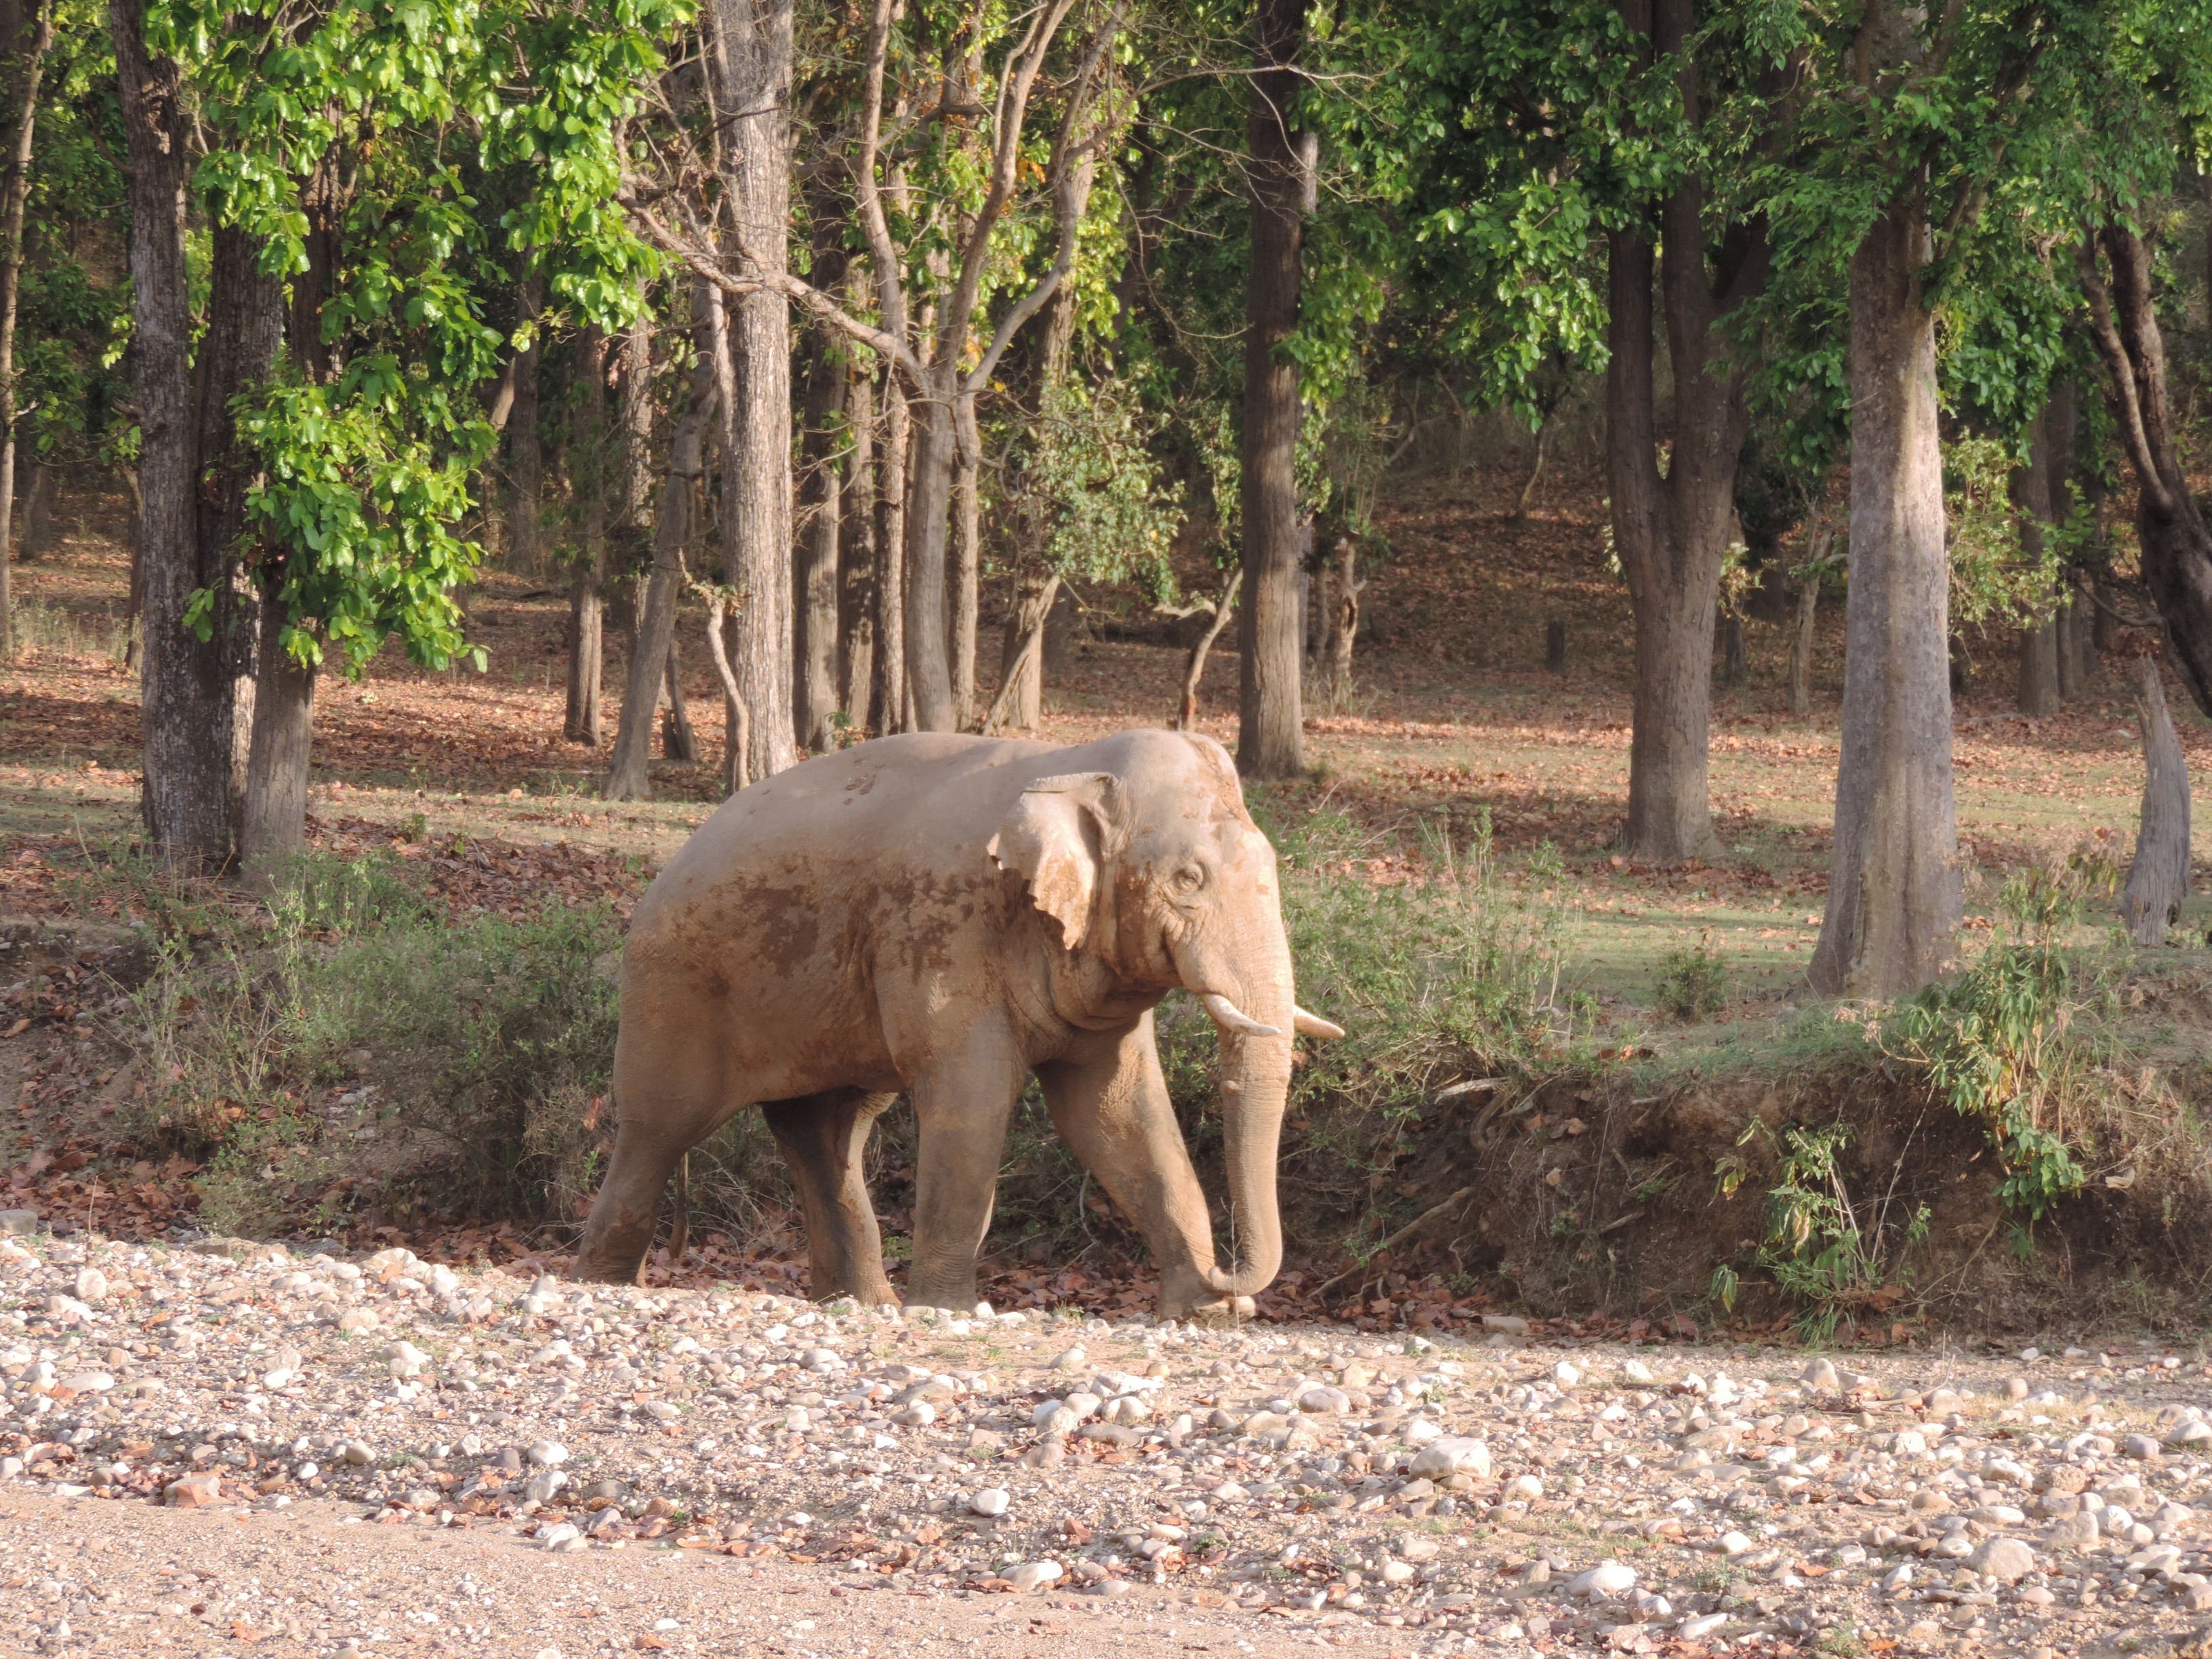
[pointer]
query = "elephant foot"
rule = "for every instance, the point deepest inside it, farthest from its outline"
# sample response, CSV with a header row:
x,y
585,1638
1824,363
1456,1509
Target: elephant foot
x,y
1219,1314
878,1295
599,1269
953,1298
1186,1296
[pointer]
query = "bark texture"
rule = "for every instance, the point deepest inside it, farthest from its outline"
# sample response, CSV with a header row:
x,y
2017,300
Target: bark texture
x,y
856,558
2176,546
274,826
627,778
189,704
525,452
590,450
750,63
1893,884
29,71
1271,734
1671,531
890,677
2158,878
822,442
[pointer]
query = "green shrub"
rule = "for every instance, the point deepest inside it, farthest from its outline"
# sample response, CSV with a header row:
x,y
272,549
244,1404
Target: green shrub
x,y
355,1031
2000,1042
1692,983
1822,1248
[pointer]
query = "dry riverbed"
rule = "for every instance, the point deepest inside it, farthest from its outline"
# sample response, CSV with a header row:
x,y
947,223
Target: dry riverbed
x,y
229,1449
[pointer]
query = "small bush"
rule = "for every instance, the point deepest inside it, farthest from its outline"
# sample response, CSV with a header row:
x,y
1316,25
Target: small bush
x,y
357,1033
1692,983
1838,1256
2001,1044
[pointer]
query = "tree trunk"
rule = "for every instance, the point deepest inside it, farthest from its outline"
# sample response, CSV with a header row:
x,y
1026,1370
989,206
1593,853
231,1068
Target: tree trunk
x,y
589,475
274,826
525,452
891,679
2040,690
679,742
739,740
856,559
1527,496
1024,652
1893,884
1343,627
967,575
13,199
750,61
188,697
626,775
1019,704
1194,668
1673,532
2170,528
816,587
1800,649
928,524
1271,733
194,752
2158,879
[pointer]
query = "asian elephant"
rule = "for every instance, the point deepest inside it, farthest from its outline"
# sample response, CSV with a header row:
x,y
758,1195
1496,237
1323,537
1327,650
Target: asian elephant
x,y
941,916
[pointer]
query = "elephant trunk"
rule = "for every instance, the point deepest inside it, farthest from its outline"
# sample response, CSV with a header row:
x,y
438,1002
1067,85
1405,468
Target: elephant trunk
x,y
1255,1081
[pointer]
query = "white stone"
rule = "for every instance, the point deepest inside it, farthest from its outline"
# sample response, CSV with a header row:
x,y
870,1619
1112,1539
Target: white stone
x,y
1452,1454
1565,1375
91,1285
1034,1575
548,1454
1603,1582
990,1501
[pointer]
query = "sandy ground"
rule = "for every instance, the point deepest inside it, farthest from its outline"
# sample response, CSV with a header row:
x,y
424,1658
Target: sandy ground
x,y
314,1578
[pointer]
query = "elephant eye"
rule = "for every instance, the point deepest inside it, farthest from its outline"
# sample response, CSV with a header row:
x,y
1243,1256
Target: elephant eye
x,y
1189,880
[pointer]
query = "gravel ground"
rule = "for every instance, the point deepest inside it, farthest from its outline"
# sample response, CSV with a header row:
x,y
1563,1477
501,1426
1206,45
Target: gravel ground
x,y
387,1456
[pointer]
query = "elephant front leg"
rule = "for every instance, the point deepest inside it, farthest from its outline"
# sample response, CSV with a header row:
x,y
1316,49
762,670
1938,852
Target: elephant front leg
x,y
962,1096
824,1139
620,1229
1109,1102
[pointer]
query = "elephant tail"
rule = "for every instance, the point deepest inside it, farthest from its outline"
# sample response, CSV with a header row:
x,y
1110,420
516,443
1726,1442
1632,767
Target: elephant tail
x,y
679,1230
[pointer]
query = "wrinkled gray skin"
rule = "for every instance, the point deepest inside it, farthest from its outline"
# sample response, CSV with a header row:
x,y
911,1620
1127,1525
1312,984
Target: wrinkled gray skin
x,y
942,916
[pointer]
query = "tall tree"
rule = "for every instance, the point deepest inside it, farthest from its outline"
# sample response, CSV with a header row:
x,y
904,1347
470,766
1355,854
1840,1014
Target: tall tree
x,y
28,49
189,714
935,274
750,60
1271,732
1671,527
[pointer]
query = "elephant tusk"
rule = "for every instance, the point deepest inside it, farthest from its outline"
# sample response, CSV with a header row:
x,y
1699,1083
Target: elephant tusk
x,y
1306,1023
1229,1018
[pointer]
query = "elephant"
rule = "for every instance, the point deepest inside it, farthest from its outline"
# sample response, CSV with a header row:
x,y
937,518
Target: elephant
x,y
942,916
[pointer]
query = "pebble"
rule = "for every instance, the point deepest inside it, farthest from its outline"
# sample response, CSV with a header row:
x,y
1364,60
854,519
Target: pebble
x,y
2006,1560
729,1417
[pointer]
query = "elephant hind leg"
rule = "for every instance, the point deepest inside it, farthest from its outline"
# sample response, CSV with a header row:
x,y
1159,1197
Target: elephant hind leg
x,y
620,1229
824,1137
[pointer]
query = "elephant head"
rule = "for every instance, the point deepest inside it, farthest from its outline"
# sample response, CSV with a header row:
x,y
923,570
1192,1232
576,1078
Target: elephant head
x,y
1155,870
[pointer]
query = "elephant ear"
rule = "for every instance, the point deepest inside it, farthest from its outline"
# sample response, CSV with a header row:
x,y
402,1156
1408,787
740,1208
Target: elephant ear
x,y
1056,840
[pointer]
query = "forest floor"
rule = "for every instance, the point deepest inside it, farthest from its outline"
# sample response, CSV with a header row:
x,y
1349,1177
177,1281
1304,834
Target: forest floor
x,y
1452,715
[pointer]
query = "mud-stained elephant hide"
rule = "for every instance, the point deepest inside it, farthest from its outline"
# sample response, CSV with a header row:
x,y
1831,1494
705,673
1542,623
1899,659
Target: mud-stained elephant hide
x,y
942,917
